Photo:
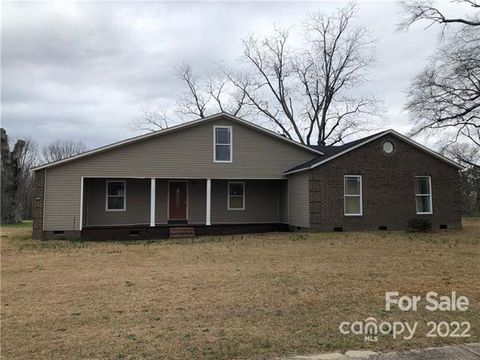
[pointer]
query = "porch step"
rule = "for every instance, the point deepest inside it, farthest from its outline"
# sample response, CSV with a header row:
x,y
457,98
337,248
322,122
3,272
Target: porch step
x,y
182,232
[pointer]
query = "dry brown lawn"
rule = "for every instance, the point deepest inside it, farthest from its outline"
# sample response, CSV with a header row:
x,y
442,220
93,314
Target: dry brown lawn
x,y
255,296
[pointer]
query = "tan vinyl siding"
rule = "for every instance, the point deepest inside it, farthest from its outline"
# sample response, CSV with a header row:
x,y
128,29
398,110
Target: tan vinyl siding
x,y
183,154
197,205
298,199
161,202
137,210
62,201
261,203
283,201
138,203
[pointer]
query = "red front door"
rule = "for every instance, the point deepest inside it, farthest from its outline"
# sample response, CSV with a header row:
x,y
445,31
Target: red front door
x,y
177,199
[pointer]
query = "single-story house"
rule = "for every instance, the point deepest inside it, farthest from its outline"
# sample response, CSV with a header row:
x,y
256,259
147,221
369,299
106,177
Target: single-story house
x,y
222,174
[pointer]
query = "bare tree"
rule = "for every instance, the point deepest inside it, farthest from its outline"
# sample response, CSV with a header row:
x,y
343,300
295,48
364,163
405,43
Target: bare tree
x,y
28,160
464,153
445,97
470,179
200,98
424,10
151,120
10,180
62,149
203,98
227,97
304,92
468,155
446,94
193,101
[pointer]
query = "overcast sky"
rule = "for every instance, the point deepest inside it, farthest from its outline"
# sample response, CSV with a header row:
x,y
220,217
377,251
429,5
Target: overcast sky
x,y
84,70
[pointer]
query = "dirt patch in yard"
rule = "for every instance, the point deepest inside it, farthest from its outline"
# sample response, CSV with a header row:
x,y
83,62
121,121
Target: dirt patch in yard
x,y
251,296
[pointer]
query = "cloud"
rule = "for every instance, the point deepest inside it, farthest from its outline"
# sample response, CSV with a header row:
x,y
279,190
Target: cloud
x,y
83,70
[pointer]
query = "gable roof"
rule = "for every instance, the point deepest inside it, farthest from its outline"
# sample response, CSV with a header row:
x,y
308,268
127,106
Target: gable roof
x,y
177,128
332,152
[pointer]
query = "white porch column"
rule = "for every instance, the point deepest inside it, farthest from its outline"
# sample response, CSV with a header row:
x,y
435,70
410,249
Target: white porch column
x,y
209,202
152,202
80,224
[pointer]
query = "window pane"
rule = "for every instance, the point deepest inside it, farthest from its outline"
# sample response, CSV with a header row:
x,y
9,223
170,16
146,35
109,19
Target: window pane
x,y
222,135
423,204
222,152
115,203
236,202
236,189
115,188
423,185
352,186
352,205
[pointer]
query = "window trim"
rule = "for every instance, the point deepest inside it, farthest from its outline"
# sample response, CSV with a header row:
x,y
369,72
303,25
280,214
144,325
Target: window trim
x,y
345,195
430,195
391,144
124,195
228,195
215,143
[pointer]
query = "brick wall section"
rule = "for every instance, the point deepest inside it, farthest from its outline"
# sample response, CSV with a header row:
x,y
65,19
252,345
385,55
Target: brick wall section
x,y
37,206
388,188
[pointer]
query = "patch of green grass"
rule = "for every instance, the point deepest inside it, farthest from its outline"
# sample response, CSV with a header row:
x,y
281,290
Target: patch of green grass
x,y
475,214
23,224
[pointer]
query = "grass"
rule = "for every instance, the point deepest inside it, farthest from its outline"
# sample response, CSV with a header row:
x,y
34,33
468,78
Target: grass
x,y
23,224
255,296
475,214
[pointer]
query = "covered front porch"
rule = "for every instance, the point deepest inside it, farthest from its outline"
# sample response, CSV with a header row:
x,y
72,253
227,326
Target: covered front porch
x,y
149,207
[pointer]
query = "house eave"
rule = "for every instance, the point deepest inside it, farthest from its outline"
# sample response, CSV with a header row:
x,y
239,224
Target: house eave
x,y
391,132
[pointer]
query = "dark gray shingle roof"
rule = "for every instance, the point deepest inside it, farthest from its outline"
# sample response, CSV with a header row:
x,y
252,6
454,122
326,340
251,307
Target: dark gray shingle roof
x,y
330,151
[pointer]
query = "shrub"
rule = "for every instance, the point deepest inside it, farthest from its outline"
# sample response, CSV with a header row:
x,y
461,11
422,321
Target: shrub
x,y
419,225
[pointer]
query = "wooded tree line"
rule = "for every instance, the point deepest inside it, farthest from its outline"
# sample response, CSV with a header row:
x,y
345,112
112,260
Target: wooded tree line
x,y
17,175
444,98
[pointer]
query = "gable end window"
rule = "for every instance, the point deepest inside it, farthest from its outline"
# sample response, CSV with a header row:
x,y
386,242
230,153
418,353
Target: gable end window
x,y
353,195
423,194
222,144
236,195
115,199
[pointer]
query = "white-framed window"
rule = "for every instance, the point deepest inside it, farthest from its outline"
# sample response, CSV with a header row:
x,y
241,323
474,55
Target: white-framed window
x,y
115,199
222,144
353,195
388,147
236,195
423,194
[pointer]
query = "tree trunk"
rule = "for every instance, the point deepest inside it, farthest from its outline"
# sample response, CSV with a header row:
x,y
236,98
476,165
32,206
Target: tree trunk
x,y
10,180
477,199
